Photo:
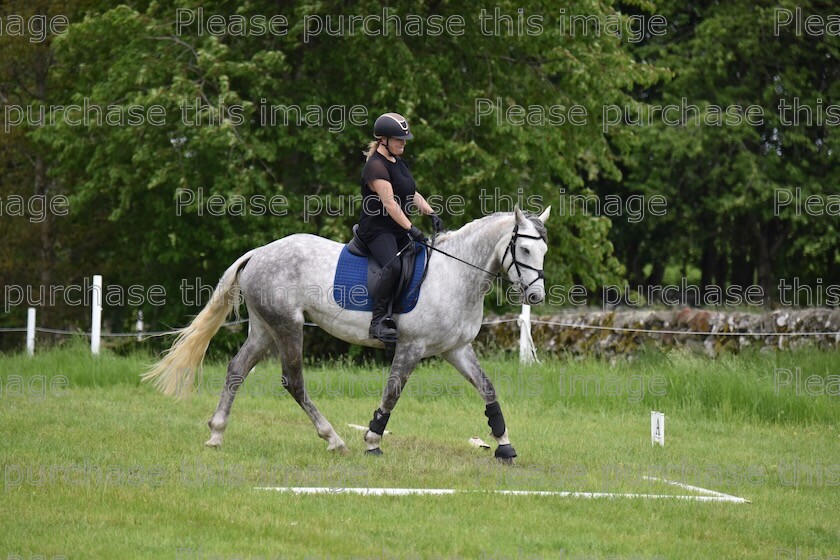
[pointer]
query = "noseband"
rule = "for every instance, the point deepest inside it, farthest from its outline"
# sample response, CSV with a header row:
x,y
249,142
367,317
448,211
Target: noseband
x,y
511,248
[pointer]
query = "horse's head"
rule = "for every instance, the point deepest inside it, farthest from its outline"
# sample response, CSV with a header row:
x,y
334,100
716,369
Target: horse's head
x,y
525,253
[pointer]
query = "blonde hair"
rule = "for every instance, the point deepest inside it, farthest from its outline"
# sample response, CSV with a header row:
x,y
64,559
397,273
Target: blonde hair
x,y
374,144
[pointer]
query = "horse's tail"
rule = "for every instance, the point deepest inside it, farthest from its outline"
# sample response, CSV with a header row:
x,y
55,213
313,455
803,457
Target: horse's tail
x,y
174,374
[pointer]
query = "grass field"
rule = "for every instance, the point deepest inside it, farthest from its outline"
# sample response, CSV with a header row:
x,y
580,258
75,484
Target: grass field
x,y
96,465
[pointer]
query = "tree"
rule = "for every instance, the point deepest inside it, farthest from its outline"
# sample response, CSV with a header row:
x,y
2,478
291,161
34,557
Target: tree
x,y
723,177
132,56
35,249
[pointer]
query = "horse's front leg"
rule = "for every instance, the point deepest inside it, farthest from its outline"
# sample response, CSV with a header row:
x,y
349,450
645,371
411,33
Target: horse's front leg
x,y
406,358
466,362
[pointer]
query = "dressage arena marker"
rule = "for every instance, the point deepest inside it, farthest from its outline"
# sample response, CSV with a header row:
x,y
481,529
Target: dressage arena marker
x,y
708,495
657,428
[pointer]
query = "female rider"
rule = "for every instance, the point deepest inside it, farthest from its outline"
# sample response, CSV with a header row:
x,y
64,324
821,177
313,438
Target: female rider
x,y
388,193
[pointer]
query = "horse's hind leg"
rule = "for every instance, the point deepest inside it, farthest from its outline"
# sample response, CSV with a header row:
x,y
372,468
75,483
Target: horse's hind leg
x,y
290,340
255,347
404,362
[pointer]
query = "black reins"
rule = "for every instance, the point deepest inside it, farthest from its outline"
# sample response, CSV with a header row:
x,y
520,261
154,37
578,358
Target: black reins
x,y
511,248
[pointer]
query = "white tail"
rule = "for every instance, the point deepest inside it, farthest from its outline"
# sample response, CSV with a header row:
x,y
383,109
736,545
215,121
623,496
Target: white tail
x,y
174,375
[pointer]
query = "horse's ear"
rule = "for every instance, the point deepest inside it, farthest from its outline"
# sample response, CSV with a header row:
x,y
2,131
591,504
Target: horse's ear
x,y
520,216
544,216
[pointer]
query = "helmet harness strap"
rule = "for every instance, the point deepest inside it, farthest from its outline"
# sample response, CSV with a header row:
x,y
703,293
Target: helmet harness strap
x,y
387,149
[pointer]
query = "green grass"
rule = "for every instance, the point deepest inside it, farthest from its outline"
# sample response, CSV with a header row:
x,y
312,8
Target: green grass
x,y
96,465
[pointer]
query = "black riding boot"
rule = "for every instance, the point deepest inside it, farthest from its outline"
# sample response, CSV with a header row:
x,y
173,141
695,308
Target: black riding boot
x,y
382,325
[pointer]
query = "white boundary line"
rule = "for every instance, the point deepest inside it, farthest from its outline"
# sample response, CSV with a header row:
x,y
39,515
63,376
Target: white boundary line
x,y
697,489
450,491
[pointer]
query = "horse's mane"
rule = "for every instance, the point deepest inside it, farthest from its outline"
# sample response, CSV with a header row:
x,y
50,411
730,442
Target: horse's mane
x,y
469,226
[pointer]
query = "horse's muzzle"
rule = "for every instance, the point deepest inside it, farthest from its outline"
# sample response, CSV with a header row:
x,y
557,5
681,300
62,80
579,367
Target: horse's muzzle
x,y
534,297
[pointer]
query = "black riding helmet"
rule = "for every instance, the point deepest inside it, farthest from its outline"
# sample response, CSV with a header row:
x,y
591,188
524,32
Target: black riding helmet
x,y
392,125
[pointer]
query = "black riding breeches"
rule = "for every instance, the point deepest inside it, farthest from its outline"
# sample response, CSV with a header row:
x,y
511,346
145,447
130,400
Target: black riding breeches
x,y
384,248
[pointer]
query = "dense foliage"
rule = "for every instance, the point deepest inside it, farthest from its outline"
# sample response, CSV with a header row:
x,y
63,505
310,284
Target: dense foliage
x,y
490,101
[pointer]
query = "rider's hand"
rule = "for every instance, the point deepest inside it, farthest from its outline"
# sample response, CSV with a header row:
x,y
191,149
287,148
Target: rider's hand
x,y
437,223
417,235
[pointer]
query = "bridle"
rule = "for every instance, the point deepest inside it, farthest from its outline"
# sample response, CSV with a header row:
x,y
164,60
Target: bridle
x,y
511,248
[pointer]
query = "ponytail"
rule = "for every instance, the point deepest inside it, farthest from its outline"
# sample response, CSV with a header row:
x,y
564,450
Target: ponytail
x,y
372,147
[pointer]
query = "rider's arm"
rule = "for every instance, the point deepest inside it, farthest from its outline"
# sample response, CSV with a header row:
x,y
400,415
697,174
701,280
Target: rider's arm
x,y
385,191
421,203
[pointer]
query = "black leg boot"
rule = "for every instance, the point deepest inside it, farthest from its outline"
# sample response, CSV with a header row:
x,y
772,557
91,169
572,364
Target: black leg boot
x,y
382,326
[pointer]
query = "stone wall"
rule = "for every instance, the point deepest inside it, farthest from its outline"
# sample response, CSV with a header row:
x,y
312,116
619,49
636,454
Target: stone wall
x,y
617,332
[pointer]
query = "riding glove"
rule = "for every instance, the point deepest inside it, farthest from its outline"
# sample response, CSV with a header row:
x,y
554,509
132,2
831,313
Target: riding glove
x,y
417,235
437,223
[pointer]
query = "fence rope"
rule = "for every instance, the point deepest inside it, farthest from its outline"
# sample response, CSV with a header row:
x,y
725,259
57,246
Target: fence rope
x,y
145,335
706,333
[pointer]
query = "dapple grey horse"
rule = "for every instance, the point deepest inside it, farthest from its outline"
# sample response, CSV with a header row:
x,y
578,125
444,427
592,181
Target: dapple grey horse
x,y
292,277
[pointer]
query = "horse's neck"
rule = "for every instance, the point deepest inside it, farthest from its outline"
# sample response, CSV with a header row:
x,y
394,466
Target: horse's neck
x,y
478,242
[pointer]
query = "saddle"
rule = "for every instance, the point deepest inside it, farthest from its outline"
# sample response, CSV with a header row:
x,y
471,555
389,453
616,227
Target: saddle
x,y
357,276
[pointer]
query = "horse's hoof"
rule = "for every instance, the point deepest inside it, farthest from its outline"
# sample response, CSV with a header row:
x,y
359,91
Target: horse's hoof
x,y
505,454
374,451
339,449
213,444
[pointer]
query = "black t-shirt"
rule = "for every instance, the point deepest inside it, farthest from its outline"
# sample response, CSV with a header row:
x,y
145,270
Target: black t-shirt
x,y
375,219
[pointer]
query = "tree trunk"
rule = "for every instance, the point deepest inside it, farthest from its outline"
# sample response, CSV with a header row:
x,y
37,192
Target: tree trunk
x,y
770,237
43,186
708,264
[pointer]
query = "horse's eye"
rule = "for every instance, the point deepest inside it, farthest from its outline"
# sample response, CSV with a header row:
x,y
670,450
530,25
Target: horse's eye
x,y
527,251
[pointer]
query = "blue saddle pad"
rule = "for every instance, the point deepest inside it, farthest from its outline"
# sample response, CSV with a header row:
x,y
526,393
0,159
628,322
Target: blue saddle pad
x,y
350,283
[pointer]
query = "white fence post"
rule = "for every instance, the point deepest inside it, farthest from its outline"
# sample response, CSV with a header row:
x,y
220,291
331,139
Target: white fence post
x,y
140,326
96,314
527,351
30,331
